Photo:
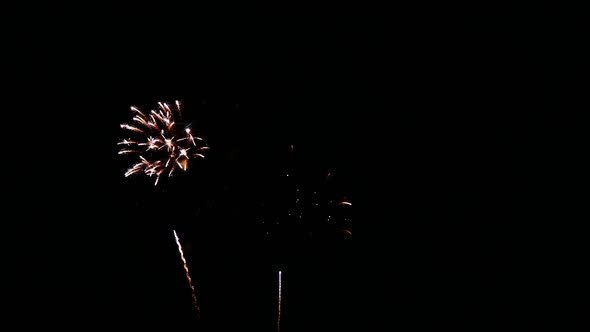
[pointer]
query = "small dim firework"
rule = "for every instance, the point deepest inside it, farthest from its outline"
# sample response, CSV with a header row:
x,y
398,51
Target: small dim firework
x,y
347,225
160,143
315,204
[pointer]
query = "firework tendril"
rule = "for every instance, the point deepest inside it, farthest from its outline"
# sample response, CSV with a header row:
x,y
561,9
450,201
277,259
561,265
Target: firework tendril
x,y
161,146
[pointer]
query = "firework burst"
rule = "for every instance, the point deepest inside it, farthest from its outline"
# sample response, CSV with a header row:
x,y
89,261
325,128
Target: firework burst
x,y
160,143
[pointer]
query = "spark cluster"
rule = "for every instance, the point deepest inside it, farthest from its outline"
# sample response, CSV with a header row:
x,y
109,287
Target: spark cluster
x,y
160,142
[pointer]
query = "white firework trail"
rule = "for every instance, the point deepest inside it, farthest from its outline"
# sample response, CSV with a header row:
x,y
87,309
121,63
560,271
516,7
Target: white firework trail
x,y
280,300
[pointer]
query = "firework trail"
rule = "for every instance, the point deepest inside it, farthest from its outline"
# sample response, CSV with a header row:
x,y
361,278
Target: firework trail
x,y
279,301
160,145
188,276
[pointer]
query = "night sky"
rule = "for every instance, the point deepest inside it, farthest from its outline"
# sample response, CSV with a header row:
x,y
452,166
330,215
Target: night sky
x,y
427,112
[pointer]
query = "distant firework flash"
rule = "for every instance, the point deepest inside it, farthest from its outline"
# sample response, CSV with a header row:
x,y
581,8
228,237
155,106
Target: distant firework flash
x,y
188,276
279,301
161,146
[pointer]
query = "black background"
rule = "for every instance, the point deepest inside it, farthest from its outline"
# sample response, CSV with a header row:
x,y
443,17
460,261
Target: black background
x,y
445,117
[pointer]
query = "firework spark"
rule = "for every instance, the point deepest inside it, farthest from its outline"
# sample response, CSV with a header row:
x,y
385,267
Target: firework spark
x,y
188,276
162,147
279,301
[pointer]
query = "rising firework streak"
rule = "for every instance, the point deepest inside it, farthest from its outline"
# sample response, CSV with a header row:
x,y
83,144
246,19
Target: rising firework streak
x,y
188,276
